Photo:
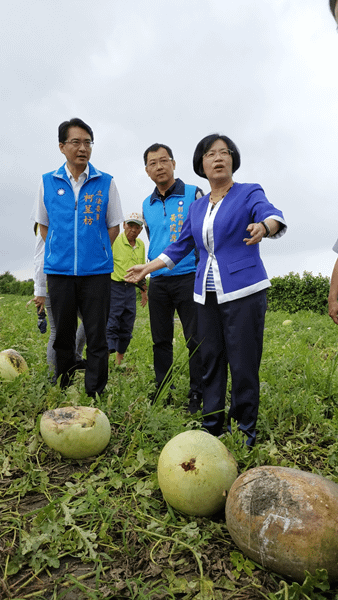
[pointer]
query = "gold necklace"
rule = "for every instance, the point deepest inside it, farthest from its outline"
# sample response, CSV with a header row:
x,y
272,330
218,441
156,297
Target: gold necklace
x,y
215,201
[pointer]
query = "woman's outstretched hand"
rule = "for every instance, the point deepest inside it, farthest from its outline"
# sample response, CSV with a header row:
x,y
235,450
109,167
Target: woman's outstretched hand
x,y
135,274
138,272
257,232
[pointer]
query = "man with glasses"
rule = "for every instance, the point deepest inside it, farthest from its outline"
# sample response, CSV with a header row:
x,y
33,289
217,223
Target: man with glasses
x,y
164,212
79,213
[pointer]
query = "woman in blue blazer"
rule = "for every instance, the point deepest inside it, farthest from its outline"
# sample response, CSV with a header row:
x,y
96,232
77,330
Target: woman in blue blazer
x,y
226,226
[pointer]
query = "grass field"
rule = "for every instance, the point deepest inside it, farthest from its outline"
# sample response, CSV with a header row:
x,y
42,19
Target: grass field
x,y
99,528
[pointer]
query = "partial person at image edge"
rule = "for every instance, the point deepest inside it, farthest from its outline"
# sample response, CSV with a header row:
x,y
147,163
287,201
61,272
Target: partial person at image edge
x,y
334,9
333,293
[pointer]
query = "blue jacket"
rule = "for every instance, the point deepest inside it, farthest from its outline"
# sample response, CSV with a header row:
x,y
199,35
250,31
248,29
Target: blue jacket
x,y
238,269
77,241
164,222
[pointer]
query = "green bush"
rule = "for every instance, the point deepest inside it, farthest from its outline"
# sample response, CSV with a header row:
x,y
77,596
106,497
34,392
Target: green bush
x,y
27,288
292,293
10,285
5,280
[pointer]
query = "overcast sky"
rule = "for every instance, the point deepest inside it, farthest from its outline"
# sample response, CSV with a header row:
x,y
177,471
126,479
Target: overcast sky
x,y
264,73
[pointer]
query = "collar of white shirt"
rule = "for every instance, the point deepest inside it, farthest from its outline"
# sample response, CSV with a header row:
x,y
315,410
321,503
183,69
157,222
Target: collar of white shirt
x,y
82,177
76,185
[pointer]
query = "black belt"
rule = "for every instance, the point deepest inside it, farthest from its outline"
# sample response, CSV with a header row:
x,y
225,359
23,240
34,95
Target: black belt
x,y
126,283
142,285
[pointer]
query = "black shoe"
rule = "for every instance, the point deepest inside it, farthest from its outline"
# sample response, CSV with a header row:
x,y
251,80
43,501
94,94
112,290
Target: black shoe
x,y
168,399
152,396
194,403
80,365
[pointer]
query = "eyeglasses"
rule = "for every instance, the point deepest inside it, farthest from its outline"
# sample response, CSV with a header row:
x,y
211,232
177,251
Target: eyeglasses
x,y
77,143
163,162
213,153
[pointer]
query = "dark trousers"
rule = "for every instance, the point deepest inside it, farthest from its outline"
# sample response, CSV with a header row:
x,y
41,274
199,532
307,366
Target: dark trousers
x,y
122,316
231,334
91,296
165,295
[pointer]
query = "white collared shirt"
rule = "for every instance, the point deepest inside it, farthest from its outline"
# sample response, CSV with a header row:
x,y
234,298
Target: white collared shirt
x,y
77,185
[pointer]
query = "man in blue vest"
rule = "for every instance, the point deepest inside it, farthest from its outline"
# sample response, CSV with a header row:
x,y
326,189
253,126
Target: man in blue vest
x,y
79,213
164,212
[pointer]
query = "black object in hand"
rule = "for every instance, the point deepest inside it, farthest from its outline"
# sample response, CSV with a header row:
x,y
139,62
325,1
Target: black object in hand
x,y
42,321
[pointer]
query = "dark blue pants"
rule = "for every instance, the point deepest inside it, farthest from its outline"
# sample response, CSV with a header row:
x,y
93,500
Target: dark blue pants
x,y
90,295
167,293
122,316
231,334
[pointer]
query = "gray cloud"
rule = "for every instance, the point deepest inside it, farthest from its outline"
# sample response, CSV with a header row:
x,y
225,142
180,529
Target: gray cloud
x,y
263,73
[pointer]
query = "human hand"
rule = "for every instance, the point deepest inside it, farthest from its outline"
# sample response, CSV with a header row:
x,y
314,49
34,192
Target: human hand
x,y
257,232
135,274
144,299
39,302
333,310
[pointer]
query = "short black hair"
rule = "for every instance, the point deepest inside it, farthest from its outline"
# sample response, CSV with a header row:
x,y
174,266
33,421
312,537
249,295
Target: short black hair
x,y
332,4
154,148
204,145
64,127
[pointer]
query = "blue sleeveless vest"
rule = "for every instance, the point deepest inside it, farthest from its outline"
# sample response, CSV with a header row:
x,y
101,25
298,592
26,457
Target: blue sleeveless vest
x,y
77,241
164,222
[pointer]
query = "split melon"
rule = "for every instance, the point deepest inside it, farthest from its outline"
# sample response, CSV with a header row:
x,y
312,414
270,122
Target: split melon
x,y
75,431
12,364
286,520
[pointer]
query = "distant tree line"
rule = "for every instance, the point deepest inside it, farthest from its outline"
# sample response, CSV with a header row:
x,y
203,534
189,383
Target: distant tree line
x,y
290,293
10,285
